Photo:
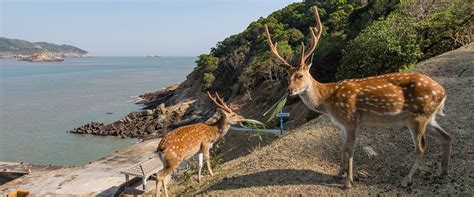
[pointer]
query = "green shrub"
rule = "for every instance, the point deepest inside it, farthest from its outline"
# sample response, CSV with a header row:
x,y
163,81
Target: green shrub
x,y
207,64
440,30
385,46
208,78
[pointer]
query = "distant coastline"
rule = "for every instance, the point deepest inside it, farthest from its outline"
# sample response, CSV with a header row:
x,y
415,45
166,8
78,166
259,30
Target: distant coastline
x,y
38,51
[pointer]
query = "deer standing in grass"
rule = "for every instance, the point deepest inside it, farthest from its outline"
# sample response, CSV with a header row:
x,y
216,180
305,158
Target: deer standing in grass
x,y
186,141
408,99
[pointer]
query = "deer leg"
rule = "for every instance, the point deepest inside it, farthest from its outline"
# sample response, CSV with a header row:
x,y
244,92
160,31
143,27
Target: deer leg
x,y
207,155
342,164
446,140
165,183
417,130
349,151
158,188
160,178
200,158
168,166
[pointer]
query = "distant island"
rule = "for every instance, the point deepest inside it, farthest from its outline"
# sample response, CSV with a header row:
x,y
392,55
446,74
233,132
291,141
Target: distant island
x,y
38,51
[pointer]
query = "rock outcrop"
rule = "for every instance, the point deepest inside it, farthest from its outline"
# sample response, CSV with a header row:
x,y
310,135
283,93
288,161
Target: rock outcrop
x,y
42,58
155,120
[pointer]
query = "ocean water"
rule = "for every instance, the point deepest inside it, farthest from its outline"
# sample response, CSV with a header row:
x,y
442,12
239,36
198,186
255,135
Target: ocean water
x,y
40,102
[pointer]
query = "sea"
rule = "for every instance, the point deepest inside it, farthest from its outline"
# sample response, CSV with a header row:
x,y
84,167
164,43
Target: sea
x,y
40,102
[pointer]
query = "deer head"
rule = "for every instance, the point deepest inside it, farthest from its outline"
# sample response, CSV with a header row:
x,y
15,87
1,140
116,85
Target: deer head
x,y
224,110
298,76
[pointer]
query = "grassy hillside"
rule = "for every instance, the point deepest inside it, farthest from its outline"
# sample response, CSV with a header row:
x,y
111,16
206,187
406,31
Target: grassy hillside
x,y
15,47
304,161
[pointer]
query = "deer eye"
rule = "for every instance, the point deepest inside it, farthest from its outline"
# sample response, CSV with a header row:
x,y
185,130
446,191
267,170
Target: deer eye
x,y
299,76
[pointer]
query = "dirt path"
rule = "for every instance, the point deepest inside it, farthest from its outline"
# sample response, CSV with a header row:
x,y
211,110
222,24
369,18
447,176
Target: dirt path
x,y
305,161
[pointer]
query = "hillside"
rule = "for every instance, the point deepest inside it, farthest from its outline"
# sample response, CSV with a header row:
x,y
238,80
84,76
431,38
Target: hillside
x,y
16,47
304,161
242,69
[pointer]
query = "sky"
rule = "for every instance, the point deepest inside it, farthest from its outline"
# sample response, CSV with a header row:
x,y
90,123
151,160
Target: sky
x,y
132,27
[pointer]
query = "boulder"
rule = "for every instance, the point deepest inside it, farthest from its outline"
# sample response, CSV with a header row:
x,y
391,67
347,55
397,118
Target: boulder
x,y
150,129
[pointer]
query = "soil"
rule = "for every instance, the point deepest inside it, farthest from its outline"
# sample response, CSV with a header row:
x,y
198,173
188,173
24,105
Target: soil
x,y
306,160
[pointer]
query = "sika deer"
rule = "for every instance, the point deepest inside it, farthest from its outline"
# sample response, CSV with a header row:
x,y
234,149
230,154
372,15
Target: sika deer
x,y
409,99
184,142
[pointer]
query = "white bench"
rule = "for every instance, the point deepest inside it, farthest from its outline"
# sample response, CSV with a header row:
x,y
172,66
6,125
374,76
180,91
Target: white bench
x,y
143,169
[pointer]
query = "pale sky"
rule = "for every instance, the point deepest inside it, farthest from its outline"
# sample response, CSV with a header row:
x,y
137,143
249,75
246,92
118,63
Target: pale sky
x,y
133,27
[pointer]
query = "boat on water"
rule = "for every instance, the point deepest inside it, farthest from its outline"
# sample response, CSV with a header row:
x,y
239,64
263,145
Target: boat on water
x,y
152,56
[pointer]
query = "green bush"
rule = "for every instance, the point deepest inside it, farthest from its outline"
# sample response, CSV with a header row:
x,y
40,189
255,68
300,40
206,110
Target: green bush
x,y
208,65
385,46
208,78
439,30
207,62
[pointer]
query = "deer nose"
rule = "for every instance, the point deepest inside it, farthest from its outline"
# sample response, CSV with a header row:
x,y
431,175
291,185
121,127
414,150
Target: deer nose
x,y
289,90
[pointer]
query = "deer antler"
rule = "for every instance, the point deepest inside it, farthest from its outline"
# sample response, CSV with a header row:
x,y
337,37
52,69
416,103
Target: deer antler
x,y
274,49
304,55
315,38
219,102
223,103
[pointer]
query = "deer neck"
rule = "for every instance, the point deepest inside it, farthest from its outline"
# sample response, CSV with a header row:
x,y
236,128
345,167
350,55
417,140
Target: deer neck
x,y
222,125
315,96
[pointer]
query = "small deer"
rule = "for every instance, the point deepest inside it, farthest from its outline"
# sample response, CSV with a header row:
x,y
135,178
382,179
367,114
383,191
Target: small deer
x,y
409,99
187,141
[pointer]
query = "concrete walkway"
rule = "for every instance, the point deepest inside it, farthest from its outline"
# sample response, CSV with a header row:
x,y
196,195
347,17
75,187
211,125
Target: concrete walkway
x,y
100,178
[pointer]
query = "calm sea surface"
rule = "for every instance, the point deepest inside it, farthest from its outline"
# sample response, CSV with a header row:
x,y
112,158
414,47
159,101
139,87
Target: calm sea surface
x,y
39,102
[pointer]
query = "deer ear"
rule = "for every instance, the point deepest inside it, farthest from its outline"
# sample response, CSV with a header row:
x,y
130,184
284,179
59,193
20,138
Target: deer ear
x,y
310,63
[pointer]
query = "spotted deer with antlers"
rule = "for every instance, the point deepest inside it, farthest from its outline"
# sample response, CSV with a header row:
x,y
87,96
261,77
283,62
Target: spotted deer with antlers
x,y
409,99
187,141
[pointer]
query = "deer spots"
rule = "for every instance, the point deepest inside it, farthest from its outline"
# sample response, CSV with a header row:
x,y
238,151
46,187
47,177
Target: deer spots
x,y
387,95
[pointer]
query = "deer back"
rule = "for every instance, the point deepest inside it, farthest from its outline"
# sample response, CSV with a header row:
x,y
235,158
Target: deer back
x,y
185,141
386,96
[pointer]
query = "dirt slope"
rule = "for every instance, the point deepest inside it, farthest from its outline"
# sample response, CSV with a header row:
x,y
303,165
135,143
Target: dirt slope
x,y
304,161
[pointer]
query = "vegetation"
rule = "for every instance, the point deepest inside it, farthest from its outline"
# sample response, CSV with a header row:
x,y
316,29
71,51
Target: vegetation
x,y
408,35
360,38
208,64
384,46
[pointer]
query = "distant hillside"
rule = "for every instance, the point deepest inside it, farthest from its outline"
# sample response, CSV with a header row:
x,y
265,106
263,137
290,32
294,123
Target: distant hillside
x,y
16,47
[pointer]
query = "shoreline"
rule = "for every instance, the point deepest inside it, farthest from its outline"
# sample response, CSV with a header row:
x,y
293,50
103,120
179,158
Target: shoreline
x,y
152,121
67,108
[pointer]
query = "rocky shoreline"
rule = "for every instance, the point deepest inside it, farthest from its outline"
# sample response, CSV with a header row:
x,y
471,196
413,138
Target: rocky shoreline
x,y
154,121
42,58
